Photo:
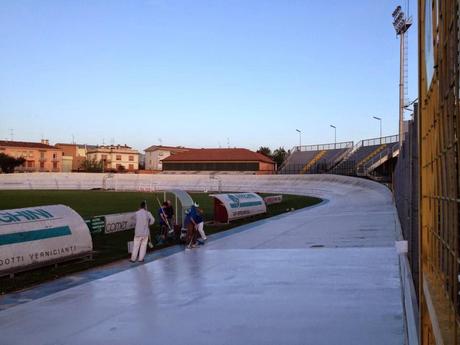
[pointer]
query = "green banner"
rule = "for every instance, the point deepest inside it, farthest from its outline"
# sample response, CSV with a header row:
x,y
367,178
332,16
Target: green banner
x,y
96,224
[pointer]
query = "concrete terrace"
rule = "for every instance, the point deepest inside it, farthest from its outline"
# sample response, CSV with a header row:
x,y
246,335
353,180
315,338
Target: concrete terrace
x,y
325,275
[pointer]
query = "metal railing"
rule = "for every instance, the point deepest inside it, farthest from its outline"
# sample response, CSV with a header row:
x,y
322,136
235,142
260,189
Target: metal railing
x,y
321,147
378,141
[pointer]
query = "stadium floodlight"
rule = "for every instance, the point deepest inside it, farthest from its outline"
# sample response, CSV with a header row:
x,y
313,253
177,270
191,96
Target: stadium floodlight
x,y
335,136
380,120
300,139
401,23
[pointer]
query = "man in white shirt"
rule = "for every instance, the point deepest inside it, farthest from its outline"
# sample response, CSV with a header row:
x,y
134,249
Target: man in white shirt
x,y
141,233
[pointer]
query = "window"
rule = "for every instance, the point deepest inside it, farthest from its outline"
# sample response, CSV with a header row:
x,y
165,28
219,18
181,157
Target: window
x,y
30,164
118,157
42,154
131,167
54,156
104,157
118,166
55,165
131,158
42,165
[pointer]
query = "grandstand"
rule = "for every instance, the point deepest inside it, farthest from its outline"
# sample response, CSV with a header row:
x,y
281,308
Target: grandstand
x,y
366,156
310,159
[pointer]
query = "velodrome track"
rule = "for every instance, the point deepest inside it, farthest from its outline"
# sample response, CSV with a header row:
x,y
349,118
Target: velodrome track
x,y
324,275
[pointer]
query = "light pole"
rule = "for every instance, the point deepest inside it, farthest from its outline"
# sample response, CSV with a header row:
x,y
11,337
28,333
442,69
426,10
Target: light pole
x,y
300,139
380,120
401,24
335,136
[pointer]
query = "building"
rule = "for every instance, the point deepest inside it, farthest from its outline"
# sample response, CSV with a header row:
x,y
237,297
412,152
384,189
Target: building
x,y
115,157
237,159
155,154
74,156
39,156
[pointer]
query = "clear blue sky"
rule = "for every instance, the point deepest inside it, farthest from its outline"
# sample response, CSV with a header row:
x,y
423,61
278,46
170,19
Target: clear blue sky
x,y
195,72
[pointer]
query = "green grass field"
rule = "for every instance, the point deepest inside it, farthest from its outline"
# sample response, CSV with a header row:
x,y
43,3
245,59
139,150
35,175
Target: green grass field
x,y
109,248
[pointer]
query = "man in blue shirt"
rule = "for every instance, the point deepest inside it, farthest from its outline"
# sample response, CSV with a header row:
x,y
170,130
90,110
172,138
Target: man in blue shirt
x,y
199,221
190,224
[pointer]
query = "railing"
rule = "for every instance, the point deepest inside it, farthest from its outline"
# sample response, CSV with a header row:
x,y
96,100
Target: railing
x,y
321,147
378,141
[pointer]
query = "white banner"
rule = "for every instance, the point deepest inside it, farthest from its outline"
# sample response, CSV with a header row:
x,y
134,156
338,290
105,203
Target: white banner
x,y
120,222
273,199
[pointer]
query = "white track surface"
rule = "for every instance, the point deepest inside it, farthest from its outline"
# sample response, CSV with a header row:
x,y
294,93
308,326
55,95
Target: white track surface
x,y
324,275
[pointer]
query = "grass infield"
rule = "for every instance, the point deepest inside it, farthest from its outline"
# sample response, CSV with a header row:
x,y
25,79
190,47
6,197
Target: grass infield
x,y
112,247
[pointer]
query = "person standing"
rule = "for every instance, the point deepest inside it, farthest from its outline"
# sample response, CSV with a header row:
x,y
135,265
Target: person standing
x,y
170,214
163,223
199,220
190,224
141,233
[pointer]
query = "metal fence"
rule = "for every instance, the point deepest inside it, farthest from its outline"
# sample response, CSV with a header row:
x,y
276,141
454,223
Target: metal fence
x,y
439,170
405,188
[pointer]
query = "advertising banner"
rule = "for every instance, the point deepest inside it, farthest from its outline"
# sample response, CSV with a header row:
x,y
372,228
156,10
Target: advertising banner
x,y
120,222
273,199
96,225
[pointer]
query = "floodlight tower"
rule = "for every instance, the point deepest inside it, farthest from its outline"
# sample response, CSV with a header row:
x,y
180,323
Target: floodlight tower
x,y
401,24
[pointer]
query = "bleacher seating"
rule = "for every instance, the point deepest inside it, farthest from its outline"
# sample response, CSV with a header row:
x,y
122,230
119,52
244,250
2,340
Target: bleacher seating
x,y
297,161
355,162
327,161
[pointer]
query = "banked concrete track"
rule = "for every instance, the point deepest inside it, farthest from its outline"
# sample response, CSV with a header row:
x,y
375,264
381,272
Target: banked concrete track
x,y
324,275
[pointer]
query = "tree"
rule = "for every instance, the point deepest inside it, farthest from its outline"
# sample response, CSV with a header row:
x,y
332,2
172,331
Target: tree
x,y
92,165
265,151
8,163
279,155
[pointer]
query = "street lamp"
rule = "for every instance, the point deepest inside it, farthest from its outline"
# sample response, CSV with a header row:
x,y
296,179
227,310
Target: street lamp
x,y
300,138
380,120
335,136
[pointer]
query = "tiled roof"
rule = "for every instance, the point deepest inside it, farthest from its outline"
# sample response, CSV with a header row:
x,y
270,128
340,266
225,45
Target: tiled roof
x,y
167,148
213,155
8,143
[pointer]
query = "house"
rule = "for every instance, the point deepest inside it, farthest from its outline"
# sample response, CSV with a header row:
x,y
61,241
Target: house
x,y
155,154
236,159
39,156
115,157
74,156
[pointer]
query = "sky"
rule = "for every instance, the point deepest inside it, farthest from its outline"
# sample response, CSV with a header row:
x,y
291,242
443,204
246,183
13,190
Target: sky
x,y
200,73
